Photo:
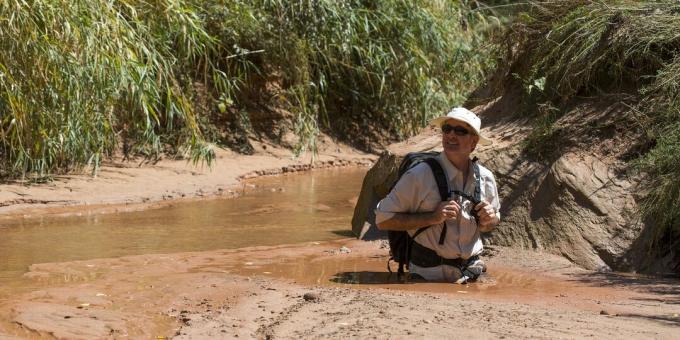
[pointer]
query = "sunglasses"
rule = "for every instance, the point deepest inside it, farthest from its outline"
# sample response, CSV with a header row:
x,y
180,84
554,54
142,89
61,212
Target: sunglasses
x,y
458,130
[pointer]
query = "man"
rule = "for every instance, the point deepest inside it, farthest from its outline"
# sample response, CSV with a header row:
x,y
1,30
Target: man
x,y
415,202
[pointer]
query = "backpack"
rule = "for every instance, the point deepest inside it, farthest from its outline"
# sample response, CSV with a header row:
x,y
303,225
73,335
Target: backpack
x,y
400,241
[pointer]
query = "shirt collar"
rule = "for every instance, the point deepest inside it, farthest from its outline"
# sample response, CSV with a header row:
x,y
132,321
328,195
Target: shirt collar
x,y
452,171
449,168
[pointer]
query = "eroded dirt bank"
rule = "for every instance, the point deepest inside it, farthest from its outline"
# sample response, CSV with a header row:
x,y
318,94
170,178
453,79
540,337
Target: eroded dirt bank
x,y
331,290
129,185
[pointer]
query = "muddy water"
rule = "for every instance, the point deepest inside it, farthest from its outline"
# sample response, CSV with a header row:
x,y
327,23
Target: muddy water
x,y
500,283
315,206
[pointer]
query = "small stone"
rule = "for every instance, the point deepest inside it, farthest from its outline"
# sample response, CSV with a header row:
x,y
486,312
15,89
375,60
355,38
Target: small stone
x,y
311,297
604,312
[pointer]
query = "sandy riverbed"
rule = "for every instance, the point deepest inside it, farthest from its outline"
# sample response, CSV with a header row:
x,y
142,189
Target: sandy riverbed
x,y
314,290
322,290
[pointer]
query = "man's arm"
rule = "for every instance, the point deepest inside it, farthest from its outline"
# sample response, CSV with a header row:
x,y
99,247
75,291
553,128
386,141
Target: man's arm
x,y
407,221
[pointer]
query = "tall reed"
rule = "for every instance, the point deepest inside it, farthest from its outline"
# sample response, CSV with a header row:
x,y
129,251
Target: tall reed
x,y
76,77
80,79
392,63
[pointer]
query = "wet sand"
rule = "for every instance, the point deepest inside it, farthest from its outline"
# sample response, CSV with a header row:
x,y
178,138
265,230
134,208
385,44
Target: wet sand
x,y
331,289
312,290
137,185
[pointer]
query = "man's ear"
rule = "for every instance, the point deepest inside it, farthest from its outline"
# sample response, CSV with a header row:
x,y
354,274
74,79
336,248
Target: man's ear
x,y
475,140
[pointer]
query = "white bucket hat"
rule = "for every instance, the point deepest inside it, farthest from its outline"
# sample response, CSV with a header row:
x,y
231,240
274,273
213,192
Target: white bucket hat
x,y
466,116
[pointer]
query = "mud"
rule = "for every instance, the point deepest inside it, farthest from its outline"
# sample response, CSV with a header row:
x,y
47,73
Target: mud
x,y
259,292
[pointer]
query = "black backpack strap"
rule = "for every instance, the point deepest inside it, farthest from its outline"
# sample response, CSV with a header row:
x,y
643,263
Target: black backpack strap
x,y
406,258
442,185
439,177
477,195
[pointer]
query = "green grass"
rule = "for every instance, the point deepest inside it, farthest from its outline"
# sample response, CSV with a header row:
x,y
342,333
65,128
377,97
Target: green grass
x,y
80,80
78,76
392,63
590,48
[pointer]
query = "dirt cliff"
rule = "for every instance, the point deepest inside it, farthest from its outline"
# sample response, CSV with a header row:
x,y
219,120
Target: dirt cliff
x,y
580,203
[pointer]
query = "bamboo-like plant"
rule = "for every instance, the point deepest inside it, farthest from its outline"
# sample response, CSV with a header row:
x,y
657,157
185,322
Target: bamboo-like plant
x,y
79,78
393,63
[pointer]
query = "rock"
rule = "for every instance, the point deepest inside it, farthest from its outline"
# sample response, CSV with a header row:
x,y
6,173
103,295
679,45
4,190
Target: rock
x,y
311,296
344,250
604,312
577,208
377,183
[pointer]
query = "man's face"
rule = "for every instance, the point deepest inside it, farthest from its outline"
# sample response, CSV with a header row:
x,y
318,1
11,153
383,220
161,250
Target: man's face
x,y
458,139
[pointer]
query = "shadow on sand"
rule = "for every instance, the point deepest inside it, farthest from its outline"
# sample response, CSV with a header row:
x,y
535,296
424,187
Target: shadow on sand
x,y
663,290
343,233
371,277
667,288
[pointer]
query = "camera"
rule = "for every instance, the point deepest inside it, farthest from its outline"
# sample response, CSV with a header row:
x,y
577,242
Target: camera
x,y
460,196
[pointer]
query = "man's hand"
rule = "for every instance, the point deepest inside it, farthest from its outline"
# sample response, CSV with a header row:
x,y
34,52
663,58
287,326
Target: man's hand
x,y
446,210
487,216
407,221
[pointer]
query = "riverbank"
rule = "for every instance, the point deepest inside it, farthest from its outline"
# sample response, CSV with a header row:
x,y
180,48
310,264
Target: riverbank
x,y
135,185
311,290
331,290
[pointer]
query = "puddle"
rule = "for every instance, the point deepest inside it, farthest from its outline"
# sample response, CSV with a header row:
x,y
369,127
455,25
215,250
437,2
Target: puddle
x,y
498,284
312,206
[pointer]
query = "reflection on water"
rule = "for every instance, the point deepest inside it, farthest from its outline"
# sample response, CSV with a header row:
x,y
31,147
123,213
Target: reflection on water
x,y
314,206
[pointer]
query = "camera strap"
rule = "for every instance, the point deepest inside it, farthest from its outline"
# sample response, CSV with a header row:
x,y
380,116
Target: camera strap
x,y
475,198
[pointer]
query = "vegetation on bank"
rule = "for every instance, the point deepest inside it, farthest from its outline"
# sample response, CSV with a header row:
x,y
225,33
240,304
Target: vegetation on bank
x,y
80,80
600,48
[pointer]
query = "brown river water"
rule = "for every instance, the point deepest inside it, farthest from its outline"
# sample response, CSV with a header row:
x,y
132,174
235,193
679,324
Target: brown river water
x,y
312,210
283,210
314,206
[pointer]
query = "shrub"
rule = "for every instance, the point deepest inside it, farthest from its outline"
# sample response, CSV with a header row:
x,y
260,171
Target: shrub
x,y
77,78
581,48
